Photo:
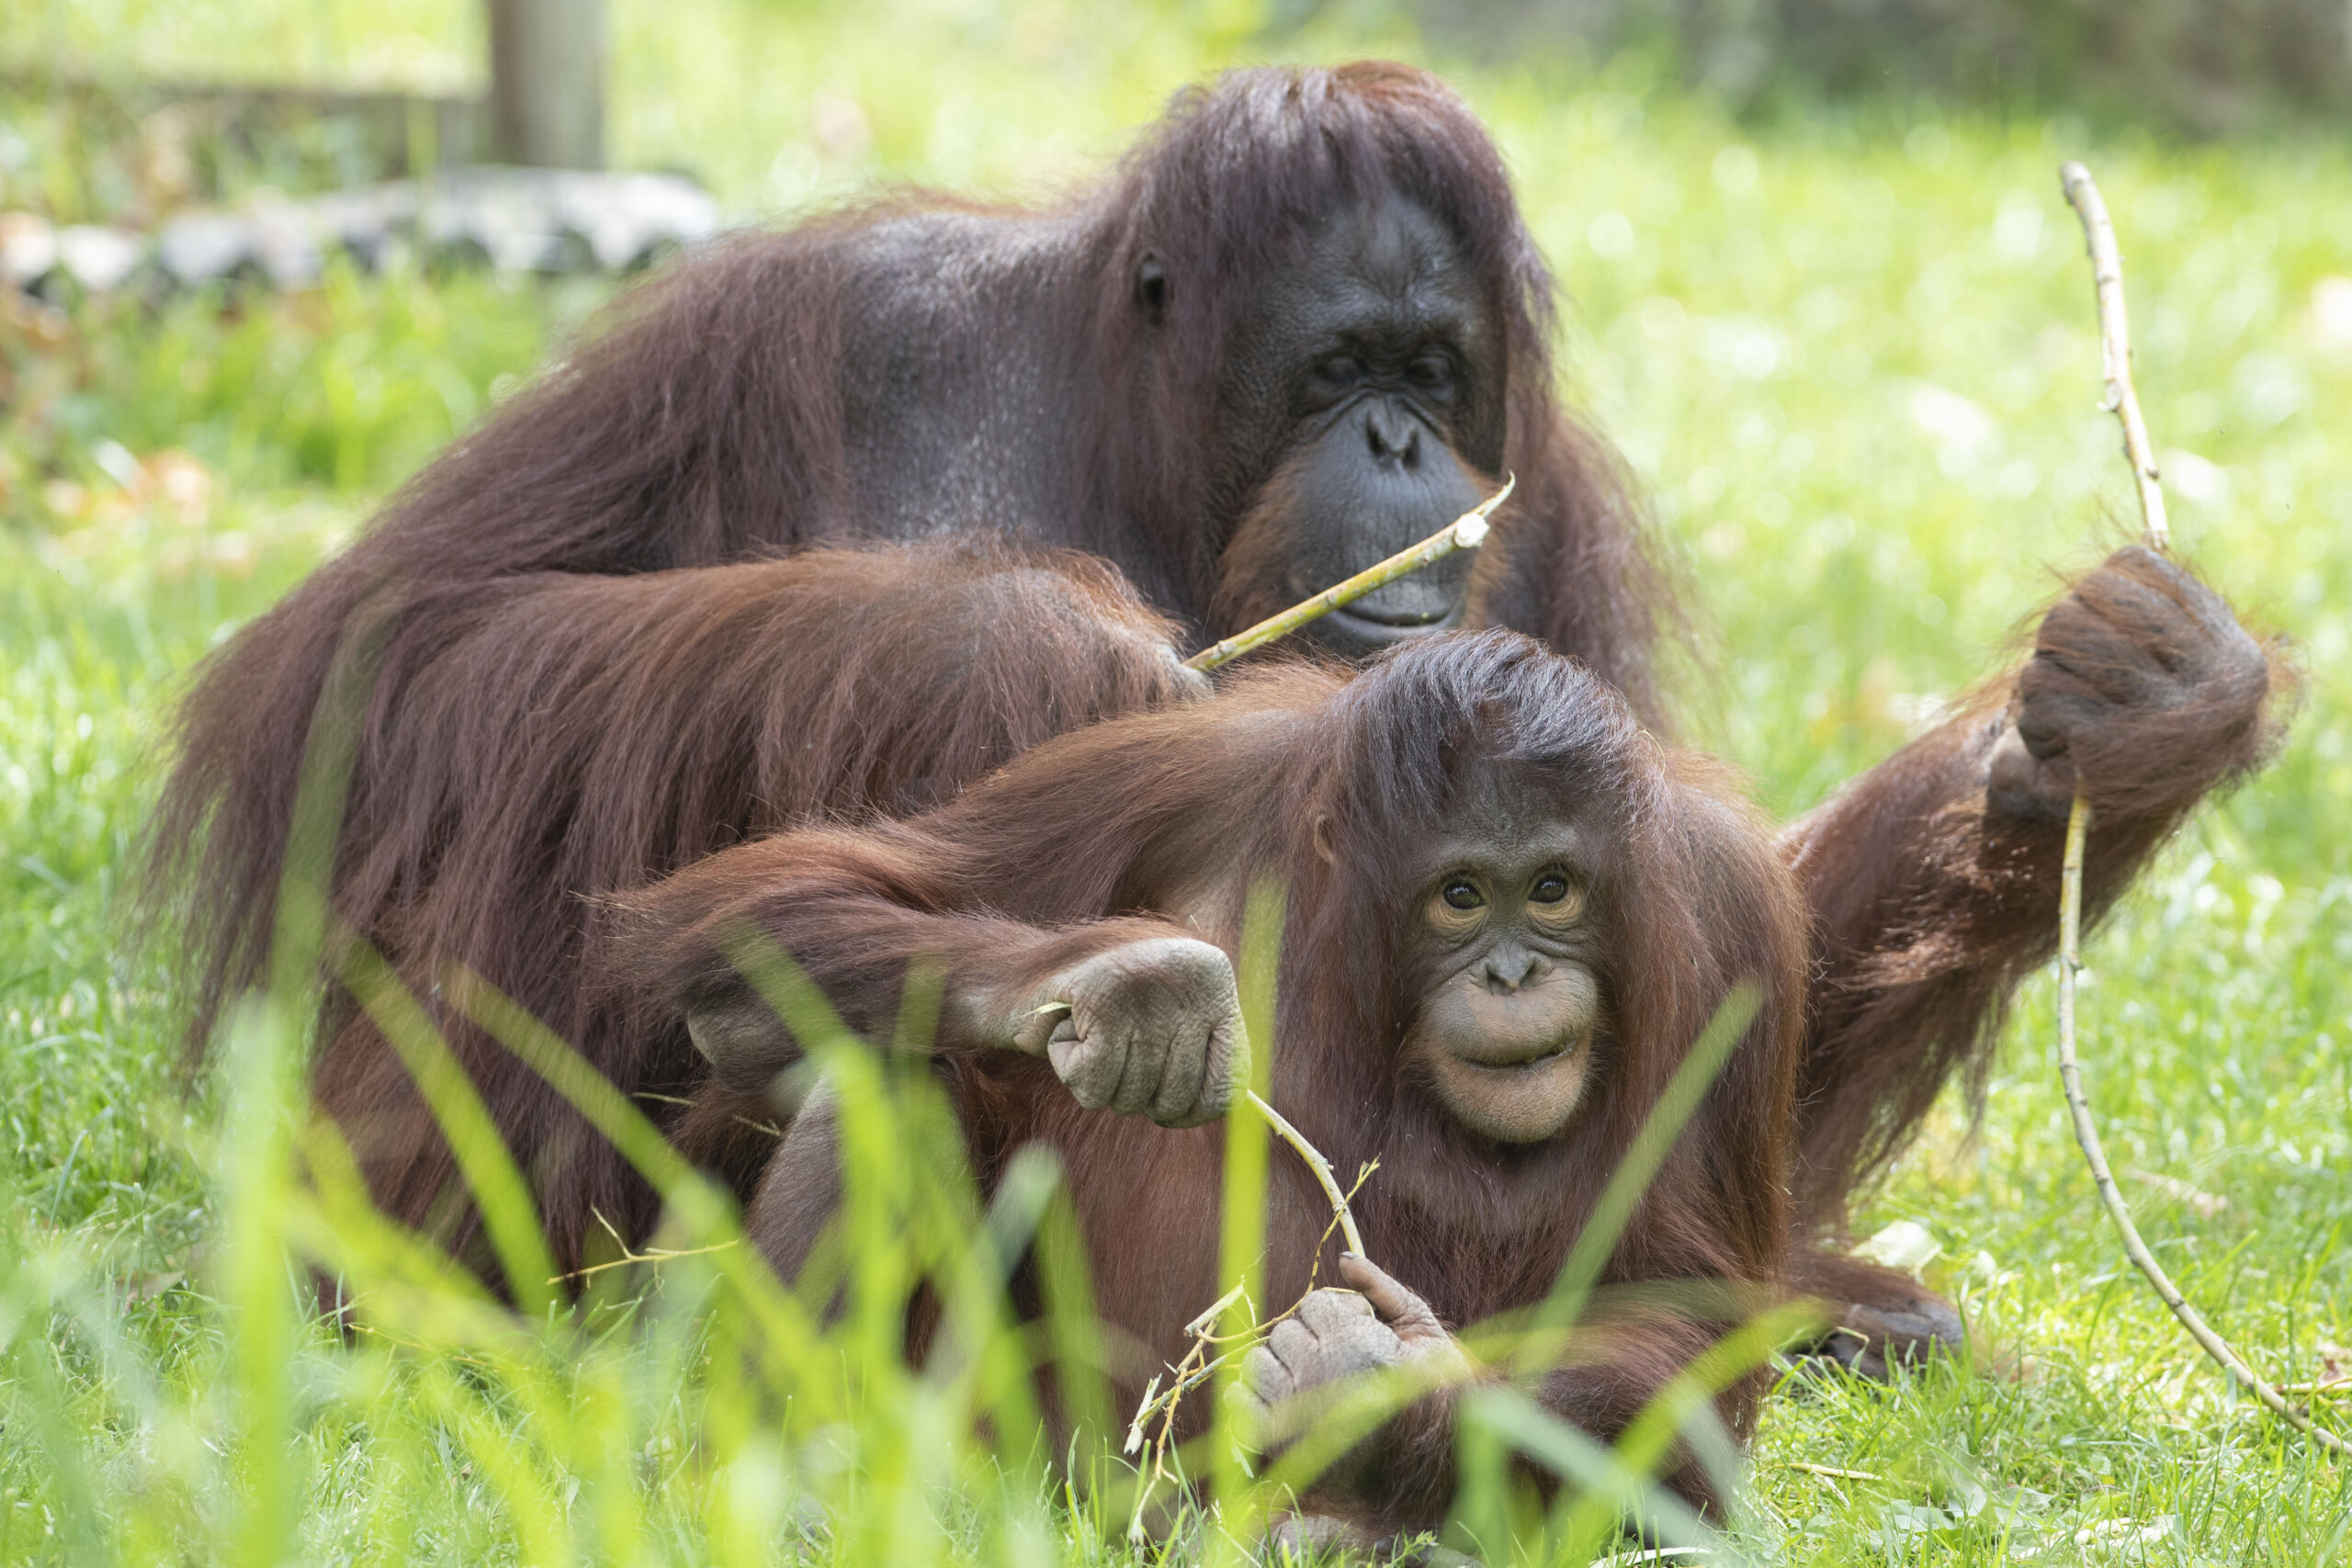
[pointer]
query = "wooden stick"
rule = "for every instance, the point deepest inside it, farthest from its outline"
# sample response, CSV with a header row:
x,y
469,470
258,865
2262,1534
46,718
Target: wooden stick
x,y
2115,347
1315,1163
1198,1364
1832,1470
2115,356
1307,1150
1466,532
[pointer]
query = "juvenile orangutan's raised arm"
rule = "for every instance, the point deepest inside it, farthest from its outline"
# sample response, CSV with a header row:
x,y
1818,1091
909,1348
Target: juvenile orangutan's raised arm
x,y
1933,879
1135,1014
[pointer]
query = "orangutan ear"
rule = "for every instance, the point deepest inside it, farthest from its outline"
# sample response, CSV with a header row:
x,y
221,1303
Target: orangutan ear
x,y
1151,287
1323,839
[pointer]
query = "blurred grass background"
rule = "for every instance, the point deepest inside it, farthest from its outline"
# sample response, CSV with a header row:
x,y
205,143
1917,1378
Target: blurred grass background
x,y
1848,346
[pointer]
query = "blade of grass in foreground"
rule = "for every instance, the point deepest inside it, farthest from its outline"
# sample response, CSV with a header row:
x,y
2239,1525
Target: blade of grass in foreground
x,y
1587,1523
1518,1424
265,1039
1242,1242
1545,1337
508,1213
39,1406
605,1108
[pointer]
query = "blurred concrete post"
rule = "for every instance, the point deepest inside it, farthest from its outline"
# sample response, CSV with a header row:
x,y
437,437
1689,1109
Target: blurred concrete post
x,y
546,82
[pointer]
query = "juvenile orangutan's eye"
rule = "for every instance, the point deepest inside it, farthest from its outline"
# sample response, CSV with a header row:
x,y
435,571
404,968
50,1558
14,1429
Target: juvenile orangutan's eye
x,y
1431,373
1557,900
1461,895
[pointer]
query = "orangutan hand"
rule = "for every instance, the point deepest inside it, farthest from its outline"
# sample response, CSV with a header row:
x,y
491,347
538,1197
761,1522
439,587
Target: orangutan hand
x,y
1151,1028
1335,1335
2143,689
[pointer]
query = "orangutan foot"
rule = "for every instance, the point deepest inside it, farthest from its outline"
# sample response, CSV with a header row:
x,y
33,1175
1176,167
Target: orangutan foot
x,y
1874,1319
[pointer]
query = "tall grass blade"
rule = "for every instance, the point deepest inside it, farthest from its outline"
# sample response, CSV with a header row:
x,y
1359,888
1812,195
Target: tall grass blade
x,y
509,1214
1242,1236
1548,1326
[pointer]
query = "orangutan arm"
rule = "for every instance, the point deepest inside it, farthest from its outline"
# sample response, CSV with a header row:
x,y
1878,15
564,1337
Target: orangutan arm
x,y
1134,1013
1933,879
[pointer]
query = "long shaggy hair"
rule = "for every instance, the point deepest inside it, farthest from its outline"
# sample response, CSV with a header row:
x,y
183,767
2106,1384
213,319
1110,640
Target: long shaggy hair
x,y
542,740
569,699
1158,823
1935,890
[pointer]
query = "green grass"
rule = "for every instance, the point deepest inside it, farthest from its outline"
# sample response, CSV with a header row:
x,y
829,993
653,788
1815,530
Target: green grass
x,y
1852,358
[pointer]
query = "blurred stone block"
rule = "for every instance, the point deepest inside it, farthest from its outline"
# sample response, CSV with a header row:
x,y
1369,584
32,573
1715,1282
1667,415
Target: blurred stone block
x,y
100,259
28,248
542,220
199,247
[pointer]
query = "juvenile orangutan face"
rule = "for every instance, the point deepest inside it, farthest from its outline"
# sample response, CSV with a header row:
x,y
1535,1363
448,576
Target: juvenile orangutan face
x,y
1504,1033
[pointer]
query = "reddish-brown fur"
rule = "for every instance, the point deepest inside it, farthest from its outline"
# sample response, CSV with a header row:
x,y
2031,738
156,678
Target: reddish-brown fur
x,y
1933,878
730,409
540,740
818,383
1156,824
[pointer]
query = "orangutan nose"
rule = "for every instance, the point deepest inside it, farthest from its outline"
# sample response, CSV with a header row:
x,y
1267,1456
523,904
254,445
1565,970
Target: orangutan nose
x,y
1392,439
1507,970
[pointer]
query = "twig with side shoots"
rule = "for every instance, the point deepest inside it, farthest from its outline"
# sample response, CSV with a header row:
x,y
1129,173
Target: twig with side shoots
x,y
1341,1214
1466,532
657,1256
1202,1359
2123,401
1833,1471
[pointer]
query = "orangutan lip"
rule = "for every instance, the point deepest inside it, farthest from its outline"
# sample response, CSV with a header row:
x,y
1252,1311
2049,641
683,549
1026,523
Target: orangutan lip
x,y
1396,623
1525,1064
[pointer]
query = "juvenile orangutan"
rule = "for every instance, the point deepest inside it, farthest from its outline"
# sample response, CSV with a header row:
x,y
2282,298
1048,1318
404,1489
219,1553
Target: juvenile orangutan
x,y
1510,914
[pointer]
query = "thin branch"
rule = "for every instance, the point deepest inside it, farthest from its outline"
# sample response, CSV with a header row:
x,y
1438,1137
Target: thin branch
x,y
655,1255
1315,1163
2115,347
1296,1140
1158,1406
1833,1470
1466,532
2115,353
2070,1071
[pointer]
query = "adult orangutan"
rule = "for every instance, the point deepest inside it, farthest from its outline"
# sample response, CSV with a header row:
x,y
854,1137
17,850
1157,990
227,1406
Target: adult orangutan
x,y
1301,324
1511,913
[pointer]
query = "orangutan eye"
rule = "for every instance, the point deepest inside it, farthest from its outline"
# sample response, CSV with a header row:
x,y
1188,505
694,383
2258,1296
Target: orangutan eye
x,y
1431,373
1337,374
1557,900
1461,895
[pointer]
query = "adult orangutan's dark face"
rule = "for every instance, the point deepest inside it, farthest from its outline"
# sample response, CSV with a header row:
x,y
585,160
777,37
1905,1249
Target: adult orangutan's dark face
x,y
1365,379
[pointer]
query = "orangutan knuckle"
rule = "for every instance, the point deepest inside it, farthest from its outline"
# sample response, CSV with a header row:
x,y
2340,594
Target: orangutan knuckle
x,y
1352,1355
1330,1310
1160,983
1292,1342
1263,1373
1085,1073
2233,656
1374,1344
